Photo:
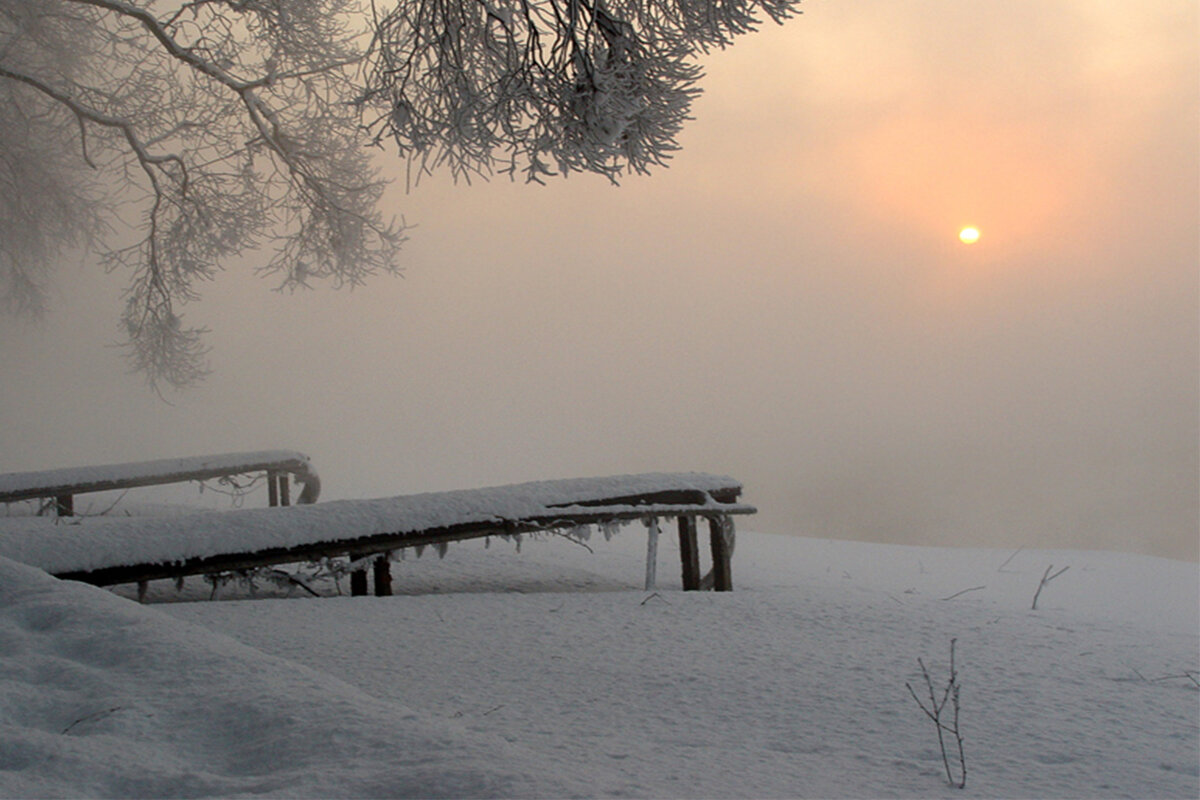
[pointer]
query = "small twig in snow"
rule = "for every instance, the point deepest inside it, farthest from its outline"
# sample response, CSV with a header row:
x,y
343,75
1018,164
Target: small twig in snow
x,y
1046,578
91,717
964,591
934,712
651,596
1008,560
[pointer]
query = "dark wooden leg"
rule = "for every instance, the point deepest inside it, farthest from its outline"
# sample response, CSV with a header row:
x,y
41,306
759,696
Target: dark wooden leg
x,y
689,553
383,577
64,505
272,490
722,568
284,500
358,583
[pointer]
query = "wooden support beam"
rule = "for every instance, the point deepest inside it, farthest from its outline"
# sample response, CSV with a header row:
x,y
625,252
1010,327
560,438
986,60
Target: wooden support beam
x,y
722,557
689,553
284,500
652,533
383,576
272,489
64,505
358,583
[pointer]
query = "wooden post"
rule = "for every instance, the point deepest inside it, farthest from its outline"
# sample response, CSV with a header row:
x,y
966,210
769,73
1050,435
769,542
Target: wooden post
x,y
284,500
722,568
143,588
272,490
358,583
64,505
689,553
651,553
383,576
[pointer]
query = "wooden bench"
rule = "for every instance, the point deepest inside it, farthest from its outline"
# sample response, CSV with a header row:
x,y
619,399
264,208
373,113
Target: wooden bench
x,y
105,550
61,485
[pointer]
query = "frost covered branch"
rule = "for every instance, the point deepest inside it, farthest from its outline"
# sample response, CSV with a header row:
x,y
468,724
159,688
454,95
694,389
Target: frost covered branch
x,y
172,136
189,134
539,86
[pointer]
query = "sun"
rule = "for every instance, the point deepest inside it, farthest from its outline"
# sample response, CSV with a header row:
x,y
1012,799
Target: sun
x,y
969,235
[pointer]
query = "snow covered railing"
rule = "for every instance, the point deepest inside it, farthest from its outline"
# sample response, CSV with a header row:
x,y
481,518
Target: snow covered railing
x,y
107,550
63,484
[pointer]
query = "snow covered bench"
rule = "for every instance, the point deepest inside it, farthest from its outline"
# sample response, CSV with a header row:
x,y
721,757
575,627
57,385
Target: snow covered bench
x,y
108,550
63,484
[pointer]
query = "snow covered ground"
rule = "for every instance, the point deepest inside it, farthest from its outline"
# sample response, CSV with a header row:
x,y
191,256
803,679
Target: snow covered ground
x,y
550,672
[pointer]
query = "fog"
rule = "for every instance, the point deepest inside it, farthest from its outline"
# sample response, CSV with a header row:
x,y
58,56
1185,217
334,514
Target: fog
x,y
788,303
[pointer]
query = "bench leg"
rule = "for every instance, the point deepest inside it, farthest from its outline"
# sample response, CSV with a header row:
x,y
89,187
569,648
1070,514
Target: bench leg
x,y
651,553
689,553
358,583
720,531
383,576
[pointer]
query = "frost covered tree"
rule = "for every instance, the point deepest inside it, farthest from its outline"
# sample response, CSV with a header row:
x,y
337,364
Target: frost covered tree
x,y
170,136
175,136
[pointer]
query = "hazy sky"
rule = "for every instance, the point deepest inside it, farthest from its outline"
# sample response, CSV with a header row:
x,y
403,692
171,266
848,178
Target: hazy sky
x,y
788,303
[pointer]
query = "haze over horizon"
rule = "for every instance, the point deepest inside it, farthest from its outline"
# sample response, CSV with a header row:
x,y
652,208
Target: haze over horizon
x,y
788,302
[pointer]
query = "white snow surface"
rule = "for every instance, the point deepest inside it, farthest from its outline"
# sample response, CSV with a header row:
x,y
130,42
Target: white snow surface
x,y
81,544
549,672
11,482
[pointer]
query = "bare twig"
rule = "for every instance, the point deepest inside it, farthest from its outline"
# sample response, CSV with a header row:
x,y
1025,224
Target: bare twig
x,y
651,596
934,711
91,717
567,535
964,591
1008,560
1046,578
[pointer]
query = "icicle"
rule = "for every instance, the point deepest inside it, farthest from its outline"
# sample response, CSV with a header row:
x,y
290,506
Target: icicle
x,y
441,548
518,540
487,543
419,549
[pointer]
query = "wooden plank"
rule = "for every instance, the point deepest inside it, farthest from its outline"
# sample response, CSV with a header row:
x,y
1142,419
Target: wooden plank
x,y
362,546
284,499
272,489
82,480
689,553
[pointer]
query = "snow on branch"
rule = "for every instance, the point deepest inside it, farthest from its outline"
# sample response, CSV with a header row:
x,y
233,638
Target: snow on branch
x,y
540,86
